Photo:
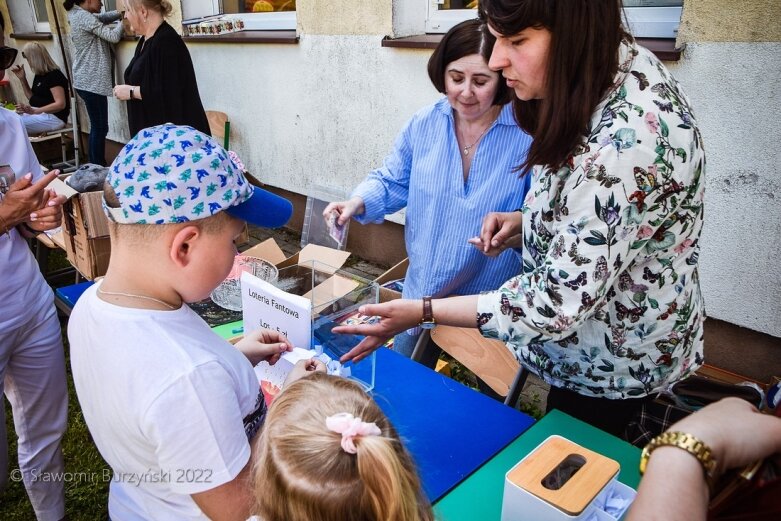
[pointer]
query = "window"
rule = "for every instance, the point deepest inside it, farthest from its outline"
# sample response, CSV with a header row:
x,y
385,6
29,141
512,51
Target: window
x,y
645,18
257,14
40,16
111,5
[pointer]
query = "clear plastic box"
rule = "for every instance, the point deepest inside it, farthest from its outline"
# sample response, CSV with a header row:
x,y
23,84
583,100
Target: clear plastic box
x,y
335,296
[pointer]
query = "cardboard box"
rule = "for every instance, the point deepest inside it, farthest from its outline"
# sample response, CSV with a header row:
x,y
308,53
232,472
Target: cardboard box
x,y
399,271
84,229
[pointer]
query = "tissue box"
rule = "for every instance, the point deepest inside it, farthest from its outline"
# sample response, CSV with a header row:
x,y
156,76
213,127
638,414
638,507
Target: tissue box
x,y
305,303
560,480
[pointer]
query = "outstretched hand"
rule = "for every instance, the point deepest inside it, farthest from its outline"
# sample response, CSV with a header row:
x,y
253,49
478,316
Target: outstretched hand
x,y
264,345
304,368
395,316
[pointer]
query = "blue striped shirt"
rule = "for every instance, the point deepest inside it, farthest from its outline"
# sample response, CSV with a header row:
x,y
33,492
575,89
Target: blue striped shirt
x,y
424,173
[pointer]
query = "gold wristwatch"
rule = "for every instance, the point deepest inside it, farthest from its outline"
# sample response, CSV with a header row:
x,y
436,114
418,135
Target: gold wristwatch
x,y
690,444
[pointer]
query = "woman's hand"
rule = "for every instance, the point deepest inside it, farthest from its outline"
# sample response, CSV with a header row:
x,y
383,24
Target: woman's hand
x,y
122,92
344,210
516,241
498,232
48,216
736,432
23,198
23,108
264,345
395,316
19,72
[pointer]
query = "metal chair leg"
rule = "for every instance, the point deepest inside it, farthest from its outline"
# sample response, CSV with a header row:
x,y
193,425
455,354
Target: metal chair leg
x,y
517,386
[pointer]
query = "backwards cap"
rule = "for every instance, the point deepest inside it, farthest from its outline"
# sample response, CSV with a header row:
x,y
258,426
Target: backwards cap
x,y
173,174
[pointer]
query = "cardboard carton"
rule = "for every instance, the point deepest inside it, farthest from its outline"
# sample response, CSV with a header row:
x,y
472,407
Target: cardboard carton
x,y
399,271
84,229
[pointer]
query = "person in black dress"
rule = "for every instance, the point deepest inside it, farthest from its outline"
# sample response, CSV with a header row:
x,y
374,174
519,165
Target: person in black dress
x,y
160,85
48,108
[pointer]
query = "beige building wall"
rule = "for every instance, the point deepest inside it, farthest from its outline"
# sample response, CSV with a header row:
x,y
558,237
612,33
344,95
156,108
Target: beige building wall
x,y
326,111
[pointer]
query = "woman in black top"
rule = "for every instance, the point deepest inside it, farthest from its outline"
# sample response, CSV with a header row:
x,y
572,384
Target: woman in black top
x,y
160,84
49,108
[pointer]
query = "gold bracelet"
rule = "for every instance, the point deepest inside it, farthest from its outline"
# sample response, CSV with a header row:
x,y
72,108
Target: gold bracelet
x,y
690,444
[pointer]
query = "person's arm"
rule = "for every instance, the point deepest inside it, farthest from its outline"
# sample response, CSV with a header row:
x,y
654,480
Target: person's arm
x,y
59,103
25,197
231,501
109,17
402,314
109,33
674,487
20,74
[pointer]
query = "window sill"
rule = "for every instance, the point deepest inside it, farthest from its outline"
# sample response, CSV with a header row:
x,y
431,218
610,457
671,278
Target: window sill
x,y
288,37
31,36
663,48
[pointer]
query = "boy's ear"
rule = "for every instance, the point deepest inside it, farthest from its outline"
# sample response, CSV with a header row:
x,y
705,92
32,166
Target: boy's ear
x,y
183,244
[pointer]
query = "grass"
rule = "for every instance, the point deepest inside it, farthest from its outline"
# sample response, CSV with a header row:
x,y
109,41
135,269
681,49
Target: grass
x,y
86,474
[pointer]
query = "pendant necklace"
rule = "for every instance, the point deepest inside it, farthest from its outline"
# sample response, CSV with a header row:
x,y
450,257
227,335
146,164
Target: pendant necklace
x,y
120,294
468,148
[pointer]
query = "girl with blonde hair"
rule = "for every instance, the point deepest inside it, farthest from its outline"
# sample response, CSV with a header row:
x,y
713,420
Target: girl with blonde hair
x,y
48,108
328,452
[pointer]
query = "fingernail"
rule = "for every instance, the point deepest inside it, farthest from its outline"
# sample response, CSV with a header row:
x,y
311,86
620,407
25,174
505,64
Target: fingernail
x,y
33,216
52,203
28,175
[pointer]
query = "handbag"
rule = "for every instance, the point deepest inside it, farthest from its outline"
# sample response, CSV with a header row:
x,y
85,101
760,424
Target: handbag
x,y
681,399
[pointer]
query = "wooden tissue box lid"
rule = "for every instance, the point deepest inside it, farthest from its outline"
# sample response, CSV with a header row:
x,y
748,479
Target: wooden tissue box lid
x,y
580,490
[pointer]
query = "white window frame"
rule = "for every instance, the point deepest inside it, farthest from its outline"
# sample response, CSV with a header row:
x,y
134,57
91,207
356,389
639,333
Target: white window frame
x,y
643,22
40,27
285,20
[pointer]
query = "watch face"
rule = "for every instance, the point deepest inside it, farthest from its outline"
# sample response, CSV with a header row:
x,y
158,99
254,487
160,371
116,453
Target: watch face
x,y
427,325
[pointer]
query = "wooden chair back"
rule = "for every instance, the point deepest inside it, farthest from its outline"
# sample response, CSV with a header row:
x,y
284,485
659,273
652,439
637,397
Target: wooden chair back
x,y
489,359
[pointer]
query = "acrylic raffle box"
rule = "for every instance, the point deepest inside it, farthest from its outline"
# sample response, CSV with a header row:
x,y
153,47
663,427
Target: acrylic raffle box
x,y
560,481
307,300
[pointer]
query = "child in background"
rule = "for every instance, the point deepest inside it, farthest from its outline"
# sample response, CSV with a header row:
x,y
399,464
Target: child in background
x,y
171,406
328,452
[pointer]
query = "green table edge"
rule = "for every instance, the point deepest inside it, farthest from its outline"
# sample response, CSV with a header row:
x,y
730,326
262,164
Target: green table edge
x,y
480,495
230,330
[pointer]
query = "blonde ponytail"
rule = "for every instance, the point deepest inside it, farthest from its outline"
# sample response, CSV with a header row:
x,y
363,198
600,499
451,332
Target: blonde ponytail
x,y
302,472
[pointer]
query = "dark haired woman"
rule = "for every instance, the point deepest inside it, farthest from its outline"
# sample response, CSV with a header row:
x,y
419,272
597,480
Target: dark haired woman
x,y
93,66
160,85
452,163
608,307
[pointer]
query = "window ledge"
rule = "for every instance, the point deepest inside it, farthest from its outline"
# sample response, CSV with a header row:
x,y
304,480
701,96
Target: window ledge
x,y
289,37
31,36
663,48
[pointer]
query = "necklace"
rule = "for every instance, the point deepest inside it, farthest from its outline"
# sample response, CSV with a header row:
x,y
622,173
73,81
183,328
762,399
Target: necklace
x,y
120,294
467,148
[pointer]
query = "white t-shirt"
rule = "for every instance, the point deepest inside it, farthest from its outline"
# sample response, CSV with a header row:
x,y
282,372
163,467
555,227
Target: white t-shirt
x,y
166,401
22,286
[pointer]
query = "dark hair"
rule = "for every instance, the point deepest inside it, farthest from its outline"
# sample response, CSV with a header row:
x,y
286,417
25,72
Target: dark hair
x,y
582,63
469,37
68,4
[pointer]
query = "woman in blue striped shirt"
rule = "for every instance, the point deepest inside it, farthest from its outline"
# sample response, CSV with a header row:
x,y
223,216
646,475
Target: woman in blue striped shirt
x,y
453,162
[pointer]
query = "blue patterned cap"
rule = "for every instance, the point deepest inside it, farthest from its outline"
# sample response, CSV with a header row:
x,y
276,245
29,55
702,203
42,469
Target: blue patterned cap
x,y
173,174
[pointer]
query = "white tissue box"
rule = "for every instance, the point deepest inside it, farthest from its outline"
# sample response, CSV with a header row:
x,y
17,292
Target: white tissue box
x,y
560,480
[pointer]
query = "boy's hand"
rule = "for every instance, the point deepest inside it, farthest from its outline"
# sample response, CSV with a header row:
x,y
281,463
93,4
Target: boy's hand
x,y
264,345
303,368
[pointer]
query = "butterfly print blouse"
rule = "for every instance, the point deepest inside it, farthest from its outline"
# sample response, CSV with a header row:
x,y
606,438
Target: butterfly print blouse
x,y
608,301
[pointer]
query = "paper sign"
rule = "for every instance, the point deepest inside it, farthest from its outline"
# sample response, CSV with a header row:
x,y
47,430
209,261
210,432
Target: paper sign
x,y
265,306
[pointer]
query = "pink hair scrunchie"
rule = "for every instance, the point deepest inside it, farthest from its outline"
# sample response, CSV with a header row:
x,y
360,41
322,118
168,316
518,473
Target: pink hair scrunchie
x,y
350,427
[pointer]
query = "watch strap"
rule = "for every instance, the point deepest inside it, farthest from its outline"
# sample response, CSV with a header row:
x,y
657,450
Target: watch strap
x,y
694,446
428,312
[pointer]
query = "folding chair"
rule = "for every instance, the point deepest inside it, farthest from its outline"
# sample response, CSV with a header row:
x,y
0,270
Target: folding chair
x,y
66,165
488,359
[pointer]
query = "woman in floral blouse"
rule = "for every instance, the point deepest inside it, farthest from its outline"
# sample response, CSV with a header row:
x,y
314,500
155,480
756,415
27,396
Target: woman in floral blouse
x,y
608,308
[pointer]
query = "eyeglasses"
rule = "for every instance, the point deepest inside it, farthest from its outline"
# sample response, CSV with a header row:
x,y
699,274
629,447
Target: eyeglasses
x,y
7,57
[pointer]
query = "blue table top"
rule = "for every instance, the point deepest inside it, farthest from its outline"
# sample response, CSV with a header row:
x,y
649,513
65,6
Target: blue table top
x,y
70,294
450,430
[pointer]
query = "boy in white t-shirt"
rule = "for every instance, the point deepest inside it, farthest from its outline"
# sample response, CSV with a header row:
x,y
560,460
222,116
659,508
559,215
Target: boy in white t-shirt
x,y
171,406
